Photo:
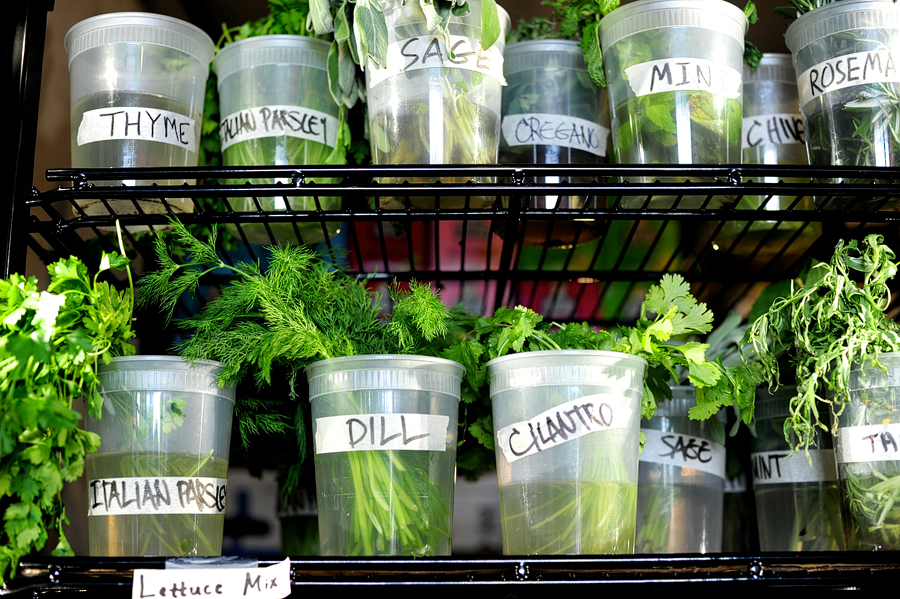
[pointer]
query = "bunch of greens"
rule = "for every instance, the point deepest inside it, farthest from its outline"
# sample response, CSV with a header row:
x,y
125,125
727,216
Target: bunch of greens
x,y
51,343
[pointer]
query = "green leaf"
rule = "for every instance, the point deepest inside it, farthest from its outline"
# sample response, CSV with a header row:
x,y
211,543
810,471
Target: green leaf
x,y
490,23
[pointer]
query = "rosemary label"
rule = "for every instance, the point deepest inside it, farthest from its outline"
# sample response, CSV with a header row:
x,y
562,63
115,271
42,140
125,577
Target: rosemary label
x,y
871,443
134,496
380,432
564,423
684,74
779,467
534,129
429,51
772,129
850,70
685,451
222,582
146,124
278,121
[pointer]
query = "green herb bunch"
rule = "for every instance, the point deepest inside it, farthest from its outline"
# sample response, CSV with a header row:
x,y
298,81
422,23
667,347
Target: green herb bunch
x,y
51,343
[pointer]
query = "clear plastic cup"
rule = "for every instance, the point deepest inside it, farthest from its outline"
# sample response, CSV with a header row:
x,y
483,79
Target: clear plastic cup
x,y
427,107
845,56
157,485
276,110
674,70
798,505
137,85
553,113
385,432
566,431
681,481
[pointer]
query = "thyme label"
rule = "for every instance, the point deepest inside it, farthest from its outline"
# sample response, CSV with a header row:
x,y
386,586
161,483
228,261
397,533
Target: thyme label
x,y
148,124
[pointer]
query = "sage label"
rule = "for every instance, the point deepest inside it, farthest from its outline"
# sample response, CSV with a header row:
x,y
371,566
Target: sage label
x,y
537,129
772,129
684,74
429,51
277,121
271,582
135,496
368,432
850,70
779,467
145,124
685,451
871,443
564,423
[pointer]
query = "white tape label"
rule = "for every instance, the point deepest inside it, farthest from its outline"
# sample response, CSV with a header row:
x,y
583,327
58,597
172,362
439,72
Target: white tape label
x,y
380,432
535,129
772,129
872,443
272,582
156,495
684,74
429,51
780,467
564,423
146,124
278,121
850,70
685,451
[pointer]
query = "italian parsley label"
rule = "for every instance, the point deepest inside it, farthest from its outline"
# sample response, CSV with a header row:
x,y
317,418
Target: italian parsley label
x,y
429,51
278,121
685,451
134,496
779,467
772,129
563,424
146,124
850,70
536,129
368,432
684,74
871,443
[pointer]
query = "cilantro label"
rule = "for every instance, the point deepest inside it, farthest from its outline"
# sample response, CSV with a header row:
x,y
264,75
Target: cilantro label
x,y
872,443
772,129
684,74
779,467
278,121
156,495
147,124
685,451
368,432
272,582
429,51
850,70
564,423
534,129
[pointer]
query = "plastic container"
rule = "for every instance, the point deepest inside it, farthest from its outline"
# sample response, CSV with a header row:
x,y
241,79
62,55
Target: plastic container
x,y
425,107
674,70
553,113
867,454
385,429
797,497
157,485
681,481
277,110
137,84
566,432
845,56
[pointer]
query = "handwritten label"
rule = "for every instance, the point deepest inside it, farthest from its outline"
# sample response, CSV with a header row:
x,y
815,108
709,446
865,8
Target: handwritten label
x,y
673,449
772,129
564,423
272,121
272,582
684,74
367,432
850,70
148,124
872,443
535,129
156,495
779,467
429,51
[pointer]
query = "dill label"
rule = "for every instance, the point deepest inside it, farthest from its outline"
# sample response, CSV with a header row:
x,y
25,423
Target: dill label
x,y
684,74
429,51
276,121
136,122
870,443
368,432
534,129
780,467
772,129
685,451
850,70
134,496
